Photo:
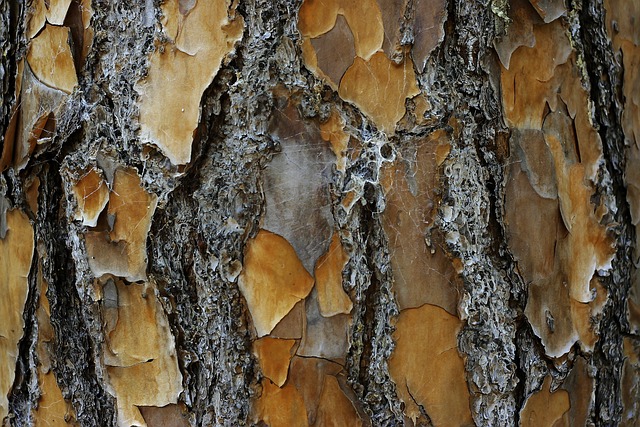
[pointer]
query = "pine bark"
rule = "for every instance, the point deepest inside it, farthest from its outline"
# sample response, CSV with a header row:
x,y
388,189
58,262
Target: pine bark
x,y
387,212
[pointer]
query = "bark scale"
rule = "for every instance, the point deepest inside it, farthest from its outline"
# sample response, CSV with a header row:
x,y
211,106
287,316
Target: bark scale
x,y
386,212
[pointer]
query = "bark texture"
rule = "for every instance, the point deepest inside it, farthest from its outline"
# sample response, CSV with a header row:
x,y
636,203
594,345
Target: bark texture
x,y
283,213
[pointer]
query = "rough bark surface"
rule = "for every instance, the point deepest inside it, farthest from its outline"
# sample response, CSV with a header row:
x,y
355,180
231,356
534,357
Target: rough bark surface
x,y
283,213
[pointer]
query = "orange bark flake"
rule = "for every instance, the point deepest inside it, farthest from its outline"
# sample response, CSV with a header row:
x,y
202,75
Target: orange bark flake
x,y
544,408
331,296
140,352
549,10
123,251
429,19
375,84
274,356
16,252
57,11
41,11
34,119
155,383
519,31
165,416
180,71
53,410
273,280
60,73
379,87
580,387
555,230
335,409
364,18
333,131
314,395
528,84
423,368
281,407
92,195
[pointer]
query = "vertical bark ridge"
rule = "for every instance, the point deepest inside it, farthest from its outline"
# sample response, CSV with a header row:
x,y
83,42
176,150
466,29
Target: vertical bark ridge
x,y
73,320
375,308
488,338
605,78
11,26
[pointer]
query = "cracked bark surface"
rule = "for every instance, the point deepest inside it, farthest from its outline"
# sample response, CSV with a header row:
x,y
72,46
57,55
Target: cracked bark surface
x,y
319,213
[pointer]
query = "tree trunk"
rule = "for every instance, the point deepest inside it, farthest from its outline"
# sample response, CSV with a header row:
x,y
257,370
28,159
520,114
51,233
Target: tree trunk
x,y
349,213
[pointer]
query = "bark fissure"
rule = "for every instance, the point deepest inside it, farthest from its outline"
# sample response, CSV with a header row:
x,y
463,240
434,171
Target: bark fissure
x,y
71,319
370,157
11,27
605,76
373,313
488,339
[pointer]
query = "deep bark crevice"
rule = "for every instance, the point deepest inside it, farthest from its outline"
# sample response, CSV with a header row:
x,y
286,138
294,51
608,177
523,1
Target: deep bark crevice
x,y
374,312
74,346
12,30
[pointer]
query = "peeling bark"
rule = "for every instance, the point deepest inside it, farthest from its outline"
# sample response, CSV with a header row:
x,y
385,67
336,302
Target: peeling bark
x,y
319,213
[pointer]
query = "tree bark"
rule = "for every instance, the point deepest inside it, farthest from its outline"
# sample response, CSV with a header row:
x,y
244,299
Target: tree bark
x,y
283,213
